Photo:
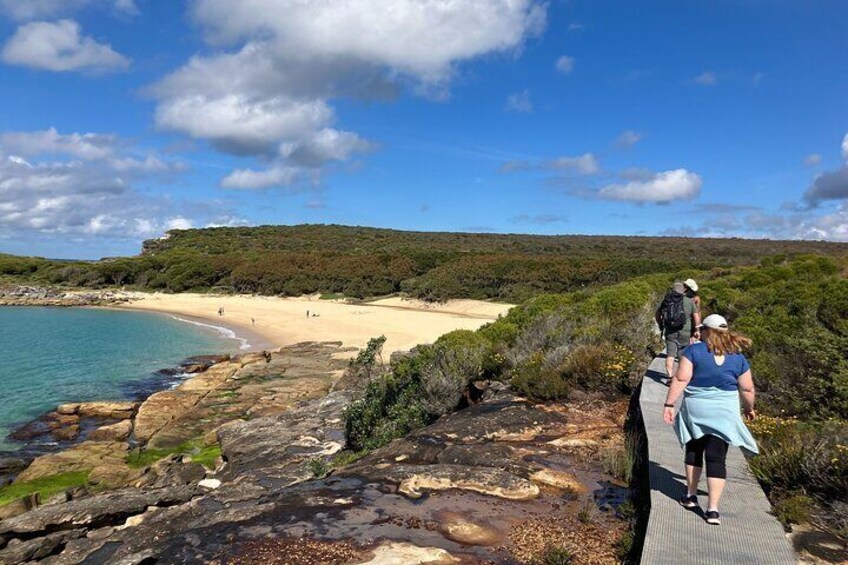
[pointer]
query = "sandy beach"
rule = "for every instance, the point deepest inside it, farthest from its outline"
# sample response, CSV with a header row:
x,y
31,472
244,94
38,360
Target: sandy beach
x,y
283,321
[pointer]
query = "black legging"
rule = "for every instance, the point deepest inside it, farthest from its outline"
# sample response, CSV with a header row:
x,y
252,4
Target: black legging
x,y
715,451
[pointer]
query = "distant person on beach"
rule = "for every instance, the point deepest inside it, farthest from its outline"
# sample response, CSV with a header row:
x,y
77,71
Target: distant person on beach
x,y
678,319
715,378
253,321
691,288
307,313
220,311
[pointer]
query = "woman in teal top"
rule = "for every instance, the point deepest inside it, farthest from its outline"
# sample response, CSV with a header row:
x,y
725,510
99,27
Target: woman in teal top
x,y
715,378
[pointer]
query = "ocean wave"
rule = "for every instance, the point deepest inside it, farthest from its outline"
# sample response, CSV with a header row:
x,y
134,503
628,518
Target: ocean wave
x,y
226,332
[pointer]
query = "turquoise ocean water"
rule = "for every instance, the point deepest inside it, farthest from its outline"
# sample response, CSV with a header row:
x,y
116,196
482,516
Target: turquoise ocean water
x,y
56,355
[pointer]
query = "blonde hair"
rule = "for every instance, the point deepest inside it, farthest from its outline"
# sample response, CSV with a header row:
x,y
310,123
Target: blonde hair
x,y
725,342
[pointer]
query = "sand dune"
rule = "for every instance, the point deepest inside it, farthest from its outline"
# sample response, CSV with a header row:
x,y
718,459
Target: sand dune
x,y
283,321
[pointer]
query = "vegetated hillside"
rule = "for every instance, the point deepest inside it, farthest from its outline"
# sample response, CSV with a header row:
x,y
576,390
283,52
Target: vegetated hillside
x,y
362,262
595,342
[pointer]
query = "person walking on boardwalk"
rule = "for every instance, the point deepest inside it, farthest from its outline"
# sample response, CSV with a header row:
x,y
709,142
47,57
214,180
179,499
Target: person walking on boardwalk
x,y
677,317
713,376
691,290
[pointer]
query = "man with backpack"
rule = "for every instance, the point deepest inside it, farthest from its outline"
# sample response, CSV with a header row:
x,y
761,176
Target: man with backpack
x,y
678,318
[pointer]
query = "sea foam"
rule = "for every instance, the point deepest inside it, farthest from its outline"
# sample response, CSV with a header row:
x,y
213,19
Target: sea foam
x,y
226,332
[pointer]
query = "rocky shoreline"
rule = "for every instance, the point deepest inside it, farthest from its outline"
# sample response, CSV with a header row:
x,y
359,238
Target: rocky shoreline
x,y
244,462
49,296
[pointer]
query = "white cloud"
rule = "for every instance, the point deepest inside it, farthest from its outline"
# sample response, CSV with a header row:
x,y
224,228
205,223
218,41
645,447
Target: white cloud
x,y
127,7
421,37
36,9
845,147
586,164
812,160
324,146
82,146
247,179
628,138
59,46
272,95
706,78
78,184
179,223
833,227
678,184
565,64
32,9
239,124
520,102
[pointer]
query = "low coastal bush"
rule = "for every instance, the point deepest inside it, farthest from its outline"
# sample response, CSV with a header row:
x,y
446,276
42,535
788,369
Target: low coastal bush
x,y
557,556
796,454
45,487
794,509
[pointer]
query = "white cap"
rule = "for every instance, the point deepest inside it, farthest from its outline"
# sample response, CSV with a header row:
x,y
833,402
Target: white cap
x,y
715,322
691,284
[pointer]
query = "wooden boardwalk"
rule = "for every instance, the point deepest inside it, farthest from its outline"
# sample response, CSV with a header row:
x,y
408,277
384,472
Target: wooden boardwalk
x,y
749,533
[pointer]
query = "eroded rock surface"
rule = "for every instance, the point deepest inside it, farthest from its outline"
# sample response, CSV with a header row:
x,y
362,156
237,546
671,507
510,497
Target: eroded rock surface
x,y
452,492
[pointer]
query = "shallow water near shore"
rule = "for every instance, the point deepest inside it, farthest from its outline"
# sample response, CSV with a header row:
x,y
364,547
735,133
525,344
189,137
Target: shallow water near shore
x,y
56,355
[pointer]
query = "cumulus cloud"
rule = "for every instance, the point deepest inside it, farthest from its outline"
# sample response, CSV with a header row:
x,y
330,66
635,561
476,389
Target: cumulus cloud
x,y
830,185
706,78
520,102
565,64
833,227
251,180
51,142
667,186
759,224
424,38
586,164
241,125
270,92
60,46
79,184
628,138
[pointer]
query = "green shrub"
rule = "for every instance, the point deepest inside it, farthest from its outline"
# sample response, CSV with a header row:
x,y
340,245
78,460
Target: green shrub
x,y
538,381
318,467
794,509
808,455
390,407
456,360
557,556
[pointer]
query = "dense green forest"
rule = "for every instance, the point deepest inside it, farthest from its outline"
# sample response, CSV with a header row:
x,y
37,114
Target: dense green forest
x,y
365,262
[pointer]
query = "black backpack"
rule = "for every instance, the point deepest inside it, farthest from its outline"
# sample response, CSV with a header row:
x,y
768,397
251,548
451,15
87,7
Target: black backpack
x,y
672,312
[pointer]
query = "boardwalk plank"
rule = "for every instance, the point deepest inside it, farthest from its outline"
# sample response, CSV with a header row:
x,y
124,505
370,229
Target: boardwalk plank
x,y
749,533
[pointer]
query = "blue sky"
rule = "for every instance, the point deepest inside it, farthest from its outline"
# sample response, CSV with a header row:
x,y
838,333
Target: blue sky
x,y
122,119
